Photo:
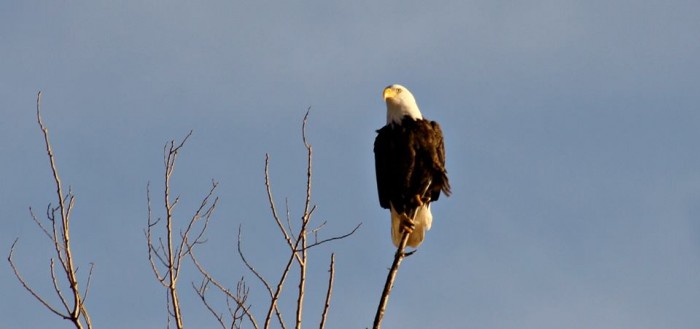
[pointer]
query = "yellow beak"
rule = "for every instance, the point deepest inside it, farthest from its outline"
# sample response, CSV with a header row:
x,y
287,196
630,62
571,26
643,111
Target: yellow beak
x,y
389,93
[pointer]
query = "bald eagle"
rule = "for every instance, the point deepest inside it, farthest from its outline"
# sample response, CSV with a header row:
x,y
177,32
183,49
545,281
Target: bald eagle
x,y
409,157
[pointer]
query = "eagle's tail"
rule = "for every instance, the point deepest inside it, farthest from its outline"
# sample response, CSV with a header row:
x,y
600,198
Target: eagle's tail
x,y
422,221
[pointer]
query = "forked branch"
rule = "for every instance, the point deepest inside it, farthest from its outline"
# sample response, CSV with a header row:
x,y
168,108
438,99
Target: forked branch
x,y
166,255
239,298
73,303
297,241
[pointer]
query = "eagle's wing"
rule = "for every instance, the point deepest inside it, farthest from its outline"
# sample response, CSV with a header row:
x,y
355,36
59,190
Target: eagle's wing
x,y
440,181
409,162
383,153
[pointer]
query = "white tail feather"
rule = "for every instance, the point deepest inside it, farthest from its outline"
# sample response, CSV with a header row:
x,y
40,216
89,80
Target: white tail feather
x,y
422,222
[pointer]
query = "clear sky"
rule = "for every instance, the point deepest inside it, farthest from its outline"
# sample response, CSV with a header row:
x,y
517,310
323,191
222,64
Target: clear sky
x,y
572,132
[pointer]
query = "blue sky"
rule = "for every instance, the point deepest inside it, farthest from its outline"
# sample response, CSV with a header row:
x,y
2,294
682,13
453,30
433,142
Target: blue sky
x,y
571,131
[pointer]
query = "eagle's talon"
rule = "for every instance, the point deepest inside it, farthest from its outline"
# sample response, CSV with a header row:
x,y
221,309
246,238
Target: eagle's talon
x,y
406,254
407,224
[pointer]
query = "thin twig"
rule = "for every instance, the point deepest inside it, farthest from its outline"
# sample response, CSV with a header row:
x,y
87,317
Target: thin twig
x,y
339,237
87,284
56,287
201,291
152,251
275,215
26,285
199,213
41,226
317,229
289,216
250,267
237,314
224,290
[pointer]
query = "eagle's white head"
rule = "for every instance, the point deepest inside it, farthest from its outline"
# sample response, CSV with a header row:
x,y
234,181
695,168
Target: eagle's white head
x,y
400,103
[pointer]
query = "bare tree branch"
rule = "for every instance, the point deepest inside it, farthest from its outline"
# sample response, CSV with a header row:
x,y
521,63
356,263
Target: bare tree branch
x,y
56,287
87,284
305,221
41,226
329,292
75,310
238,312
289,215
278,291
273,296
170,252
201,292
398,257
271,201
202,212
223,289
334,238
250,267
27,287
297,241
152,251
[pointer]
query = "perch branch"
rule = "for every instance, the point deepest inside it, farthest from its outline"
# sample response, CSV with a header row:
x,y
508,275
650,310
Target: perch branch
x,y
329,292
398,257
